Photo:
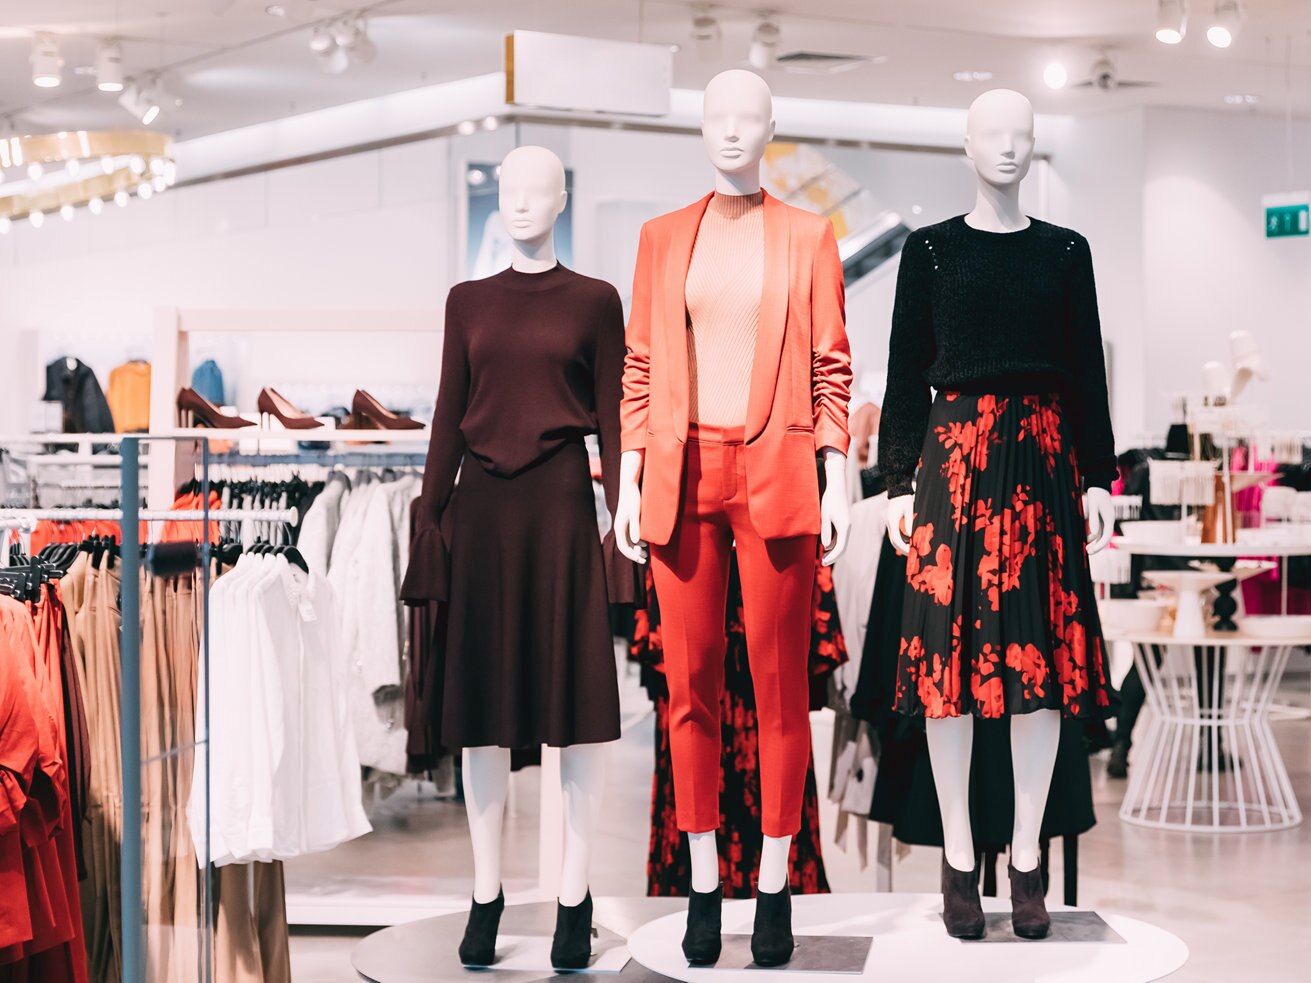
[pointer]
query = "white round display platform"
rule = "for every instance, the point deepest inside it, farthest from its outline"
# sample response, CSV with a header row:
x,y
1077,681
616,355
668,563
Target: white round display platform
x,y
908,942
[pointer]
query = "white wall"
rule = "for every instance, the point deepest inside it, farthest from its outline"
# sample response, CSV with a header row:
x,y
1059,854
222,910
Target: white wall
x,y
1208,268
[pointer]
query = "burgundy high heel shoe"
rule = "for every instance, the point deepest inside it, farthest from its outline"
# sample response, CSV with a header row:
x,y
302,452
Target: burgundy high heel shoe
x,y
197,411
367,413
273,404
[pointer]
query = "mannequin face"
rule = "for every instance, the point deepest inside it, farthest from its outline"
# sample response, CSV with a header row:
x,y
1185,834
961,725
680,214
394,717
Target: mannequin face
x,y
532,193
999,137
737,121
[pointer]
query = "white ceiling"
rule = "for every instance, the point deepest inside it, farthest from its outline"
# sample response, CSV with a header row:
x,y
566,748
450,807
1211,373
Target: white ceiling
x,y
241,65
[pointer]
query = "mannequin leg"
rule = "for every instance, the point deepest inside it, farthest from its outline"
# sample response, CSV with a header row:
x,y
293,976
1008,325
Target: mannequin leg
x,y
486,784
705,861
582,777
774,871
1034,738
951,742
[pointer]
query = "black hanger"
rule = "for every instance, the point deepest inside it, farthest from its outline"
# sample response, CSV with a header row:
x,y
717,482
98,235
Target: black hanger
x,y
293,556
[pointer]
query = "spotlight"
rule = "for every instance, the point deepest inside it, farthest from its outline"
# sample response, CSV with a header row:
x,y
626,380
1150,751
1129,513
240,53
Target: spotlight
x,y
156,166
161,97
95,206
47,63
346,30
73,167
1227,16
35,170
159,184
1055,75
144,191
120,198
321,41
107,162
137,164
109,67
490,122
707,33
466,128
139,103
66,212
334,61
37,219
764,43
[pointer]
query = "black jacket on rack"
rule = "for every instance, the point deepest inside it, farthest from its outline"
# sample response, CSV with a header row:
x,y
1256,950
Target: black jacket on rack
x,y
70,382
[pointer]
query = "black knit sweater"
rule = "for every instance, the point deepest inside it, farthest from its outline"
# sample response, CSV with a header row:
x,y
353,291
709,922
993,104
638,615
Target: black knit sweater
x,y
995,312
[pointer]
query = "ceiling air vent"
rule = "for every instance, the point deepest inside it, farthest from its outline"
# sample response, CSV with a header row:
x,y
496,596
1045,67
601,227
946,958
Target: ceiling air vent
x,y
821,62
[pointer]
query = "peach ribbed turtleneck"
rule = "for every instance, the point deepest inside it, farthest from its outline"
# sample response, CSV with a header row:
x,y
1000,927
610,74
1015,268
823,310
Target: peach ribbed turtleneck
x,y
724,283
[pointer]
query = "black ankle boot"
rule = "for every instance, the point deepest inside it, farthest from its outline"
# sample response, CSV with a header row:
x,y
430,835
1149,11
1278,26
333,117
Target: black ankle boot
x,y
572,946
1117,766
962,911
771,941
1028,905
701,942
479,945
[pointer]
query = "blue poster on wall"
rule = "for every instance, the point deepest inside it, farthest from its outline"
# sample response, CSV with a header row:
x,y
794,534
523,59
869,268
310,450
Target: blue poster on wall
x,y
489,243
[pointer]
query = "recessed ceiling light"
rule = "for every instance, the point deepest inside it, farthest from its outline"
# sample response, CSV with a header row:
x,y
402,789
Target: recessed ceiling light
x,y
1055,75
972,76
276,10
1243,99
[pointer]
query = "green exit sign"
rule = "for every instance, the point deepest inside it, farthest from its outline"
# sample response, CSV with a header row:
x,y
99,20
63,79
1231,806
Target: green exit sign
x,y
1287,214
1287,220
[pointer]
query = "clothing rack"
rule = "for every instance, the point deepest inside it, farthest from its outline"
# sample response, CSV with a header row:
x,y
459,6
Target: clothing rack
x,y
285,516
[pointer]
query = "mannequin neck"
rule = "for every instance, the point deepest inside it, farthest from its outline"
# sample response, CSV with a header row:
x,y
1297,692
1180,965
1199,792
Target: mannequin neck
x,y
997,209
745,183
534,256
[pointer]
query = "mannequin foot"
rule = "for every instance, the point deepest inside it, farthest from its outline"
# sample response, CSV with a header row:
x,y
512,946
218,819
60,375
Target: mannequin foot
x,y
479,945
701,942
771,940
962,911
572,946
1118,764
1028,904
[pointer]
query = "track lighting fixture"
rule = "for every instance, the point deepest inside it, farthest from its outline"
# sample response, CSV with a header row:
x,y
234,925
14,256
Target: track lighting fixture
x,y
1171,21
707,33
66,212
137,100
109,67
37,219
1224,28
764,43
47,62
342,41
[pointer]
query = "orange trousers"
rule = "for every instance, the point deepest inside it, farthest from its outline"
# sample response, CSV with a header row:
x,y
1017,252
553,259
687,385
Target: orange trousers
x,y
691,579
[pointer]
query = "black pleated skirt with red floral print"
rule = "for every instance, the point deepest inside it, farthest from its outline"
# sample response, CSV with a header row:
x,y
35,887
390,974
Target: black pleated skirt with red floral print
x,y
1000,616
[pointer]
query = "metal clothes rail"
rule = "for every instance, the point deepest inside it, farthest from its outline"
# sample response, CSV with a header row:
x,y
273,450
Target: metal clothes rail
x,y
126,515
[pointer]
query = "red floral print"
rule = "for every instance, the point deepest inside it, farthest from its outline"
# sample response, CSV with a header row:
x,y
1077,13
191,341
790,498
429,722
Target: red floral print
x,y
998,568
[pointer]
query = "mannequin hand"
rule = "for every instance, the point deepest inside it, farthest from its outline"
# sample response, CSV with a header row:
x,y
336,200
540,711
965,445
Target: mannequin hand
x,y
628,510
834,510
901,518
1101,518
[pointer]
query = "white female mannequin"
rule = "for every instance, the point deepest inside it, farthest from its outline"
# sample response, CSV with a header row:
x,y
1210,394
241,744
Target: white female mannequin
x,y
737,125
999,140
532,196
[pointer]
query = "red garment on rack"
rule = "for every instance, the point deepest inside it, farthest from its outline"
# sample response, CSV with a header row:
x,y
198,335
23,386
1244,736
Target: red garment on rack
x,y
48,532
30,640
191,532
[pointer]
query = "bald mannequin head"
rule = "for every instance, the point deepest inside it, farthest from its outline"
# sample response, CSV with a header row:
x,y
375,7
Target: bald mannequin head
x,y
532,193
737,121
999,136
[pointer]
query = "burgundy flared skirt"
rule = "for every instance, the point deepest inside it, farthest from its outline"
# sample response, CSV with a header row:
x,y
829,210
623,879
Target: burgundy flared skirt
x,y
530,659
999,616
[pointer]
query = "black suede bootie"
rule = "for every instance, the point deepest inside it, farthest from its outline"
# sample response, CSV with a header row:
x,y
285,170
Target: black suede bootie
x,y
1028,905
572,946
478,947
701,942
962,911
771,940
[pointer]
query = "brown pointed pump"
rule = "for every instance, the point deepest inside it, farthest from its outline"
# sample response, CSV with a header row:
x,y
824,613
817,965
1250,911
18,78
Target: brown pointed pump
x,y
273,404
368,413
197,411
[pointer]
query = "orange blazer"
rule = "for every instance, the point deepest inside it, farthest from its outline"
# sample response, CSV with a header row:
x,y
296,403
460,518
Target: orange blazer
x,y
800,378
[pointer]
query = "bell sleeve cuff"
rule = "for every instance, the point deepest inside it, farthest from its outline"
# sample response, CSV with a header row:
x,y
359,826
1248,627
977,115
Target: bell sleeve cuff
x,y
623,578
428,576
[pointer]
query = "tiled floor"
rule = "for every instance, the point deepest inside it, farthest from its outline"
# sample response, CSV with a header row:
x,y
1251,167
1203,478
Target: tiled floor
x,y
1242,903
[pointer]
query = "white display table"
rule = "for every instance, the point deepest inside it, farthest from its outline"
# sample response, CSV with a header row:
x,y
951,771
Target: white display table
x,y
1208,761
903,932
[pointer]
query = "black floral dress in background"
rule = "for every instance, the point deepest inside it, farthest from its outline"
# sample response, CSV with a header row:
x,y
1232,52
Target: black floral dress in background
x,y
999,615
669,868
